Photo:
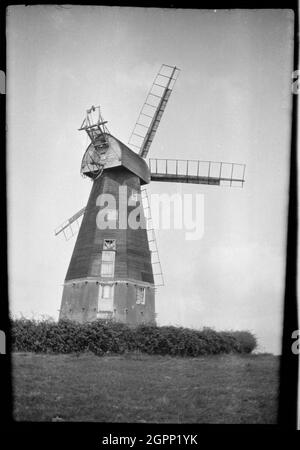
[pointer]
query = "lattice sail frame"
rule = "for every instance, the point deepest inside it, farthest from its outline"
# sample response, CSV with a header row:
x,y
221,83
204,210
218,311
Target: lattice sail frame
x,y
70,227
155,260
197,172
151,113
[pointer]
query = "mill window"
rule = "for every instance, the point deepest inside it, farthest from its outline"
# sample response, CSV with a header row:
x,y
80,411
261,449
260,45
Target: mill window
x,y
109,244
108,264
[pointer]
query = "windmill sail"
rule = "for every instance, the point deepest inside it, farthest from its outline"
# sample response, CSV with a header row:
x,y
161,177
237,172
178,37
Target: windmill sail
x,y
153,109
198,172
68,228
155,261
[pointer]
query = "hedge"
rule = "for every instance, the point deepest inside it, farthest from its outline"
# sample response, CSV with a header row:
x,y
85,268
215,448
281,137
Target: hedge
x,y
103,337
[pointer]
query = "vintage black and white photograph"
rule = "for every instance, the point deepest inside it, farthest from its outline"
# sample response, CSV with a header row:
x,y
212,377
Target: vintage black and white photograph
x,y
148,154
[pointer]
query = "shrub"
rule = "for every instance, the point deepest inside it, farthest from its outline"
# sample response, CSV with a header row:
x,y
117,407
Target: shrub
x,y
103,337
247,341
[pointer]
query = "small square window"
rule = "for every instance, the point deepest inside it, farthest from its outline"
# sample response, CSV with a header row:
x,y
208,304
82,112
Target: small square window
x,y
140,295
109,244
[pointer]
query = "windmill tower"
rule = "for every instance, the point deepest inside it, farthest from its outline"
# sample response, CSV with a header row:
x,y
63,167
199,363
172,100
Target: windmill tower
x,y
115,268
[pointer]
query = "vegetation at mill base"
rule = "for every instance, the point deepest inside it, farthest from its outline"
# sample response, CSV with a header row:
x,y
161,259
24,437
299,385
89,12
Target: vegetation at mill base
x,y
140,388
102,337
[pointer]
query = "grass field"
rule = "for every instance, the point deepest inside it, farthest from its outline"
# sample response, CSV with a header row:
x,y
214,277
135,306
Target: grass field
x,y
141,388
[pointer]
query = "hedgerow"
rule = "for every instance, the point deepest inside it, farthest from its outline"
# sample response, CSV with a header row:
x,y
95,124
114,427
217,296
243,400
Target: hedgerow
x,y
103,337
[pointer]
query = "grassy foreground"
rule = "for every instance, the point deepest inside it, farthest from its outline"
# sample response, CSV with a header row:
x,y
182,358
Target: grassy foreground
x,y
143,388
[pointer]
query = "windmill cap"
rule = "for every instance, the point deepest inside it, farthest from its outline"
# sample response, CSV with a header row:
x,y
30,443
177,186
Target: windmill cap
x,y
114,154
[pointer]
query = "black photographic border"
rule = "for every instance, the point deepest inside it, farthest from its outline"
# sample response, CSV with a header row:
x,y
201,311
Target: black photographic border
x,y
89,435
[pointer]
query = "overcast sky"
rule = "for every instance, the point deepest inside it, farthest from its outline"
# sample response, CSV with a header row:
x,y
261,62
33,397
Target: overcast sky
x,y
231,102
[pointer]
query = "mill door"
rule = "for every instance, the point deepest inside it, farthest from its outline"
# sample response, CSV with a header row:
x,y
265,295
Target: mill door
x,y
106,301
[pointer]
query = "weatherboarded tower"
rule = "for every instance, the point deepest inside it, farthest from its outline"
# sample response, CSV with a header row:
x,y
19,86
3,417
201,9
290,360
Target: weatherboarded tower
x,y
110,272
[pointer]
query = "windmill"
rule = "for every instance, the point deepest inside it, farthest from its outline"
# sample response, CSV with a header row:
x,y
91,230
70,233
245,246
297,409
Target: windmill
x,y
115,270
